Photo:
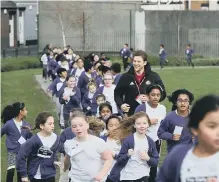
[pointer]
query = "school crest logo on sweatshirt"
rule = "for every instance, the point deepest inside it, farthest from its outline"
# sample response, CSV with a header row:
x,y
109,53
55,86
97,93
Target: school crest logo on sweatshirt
x,y
148,82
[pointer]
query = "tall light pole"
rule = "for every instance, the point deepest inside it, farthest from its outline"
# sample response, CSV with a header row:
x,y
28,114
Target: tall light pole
x,y
37,28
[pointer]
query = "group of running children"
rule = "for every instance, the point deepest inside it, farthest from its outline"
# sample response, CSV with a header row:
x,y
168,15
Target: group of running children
x,y
99,143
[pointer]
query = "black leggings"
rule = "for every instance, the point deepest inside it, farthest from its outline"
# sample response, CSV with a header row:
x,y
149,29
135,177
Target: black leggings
x,y
144,179
52,179
125,63
153,170
10,175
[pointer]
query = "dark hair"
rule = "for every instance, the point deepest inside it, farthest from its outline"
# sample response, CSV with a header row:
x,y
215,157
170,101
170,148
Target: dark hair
x,y
102,54
202,107
116,67
104,69
188,45
87,65
126,44
70,76
100,95
79,59
174,96
60,70
12,111
142,54
112,117
41,119
97,63
106,104
162,45
155,86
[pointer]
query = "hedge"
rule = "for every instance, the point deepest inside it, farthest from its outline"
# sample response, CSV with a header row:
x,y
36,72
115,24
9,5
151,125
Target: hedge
x,y
11,64
21,63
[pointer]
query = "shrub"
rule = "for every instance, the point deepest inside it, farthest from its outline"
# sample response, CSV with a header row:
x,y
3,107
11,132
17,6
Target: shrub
x,y
11,64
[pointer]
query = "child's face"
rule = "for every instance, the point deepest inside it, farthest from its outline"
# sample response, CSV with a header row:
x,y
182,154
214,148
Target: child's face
x,y
96,58
71,82
108,80
24,112
105,112
70,52
208,131
113,124
80,63
64,74
183,102
51,53
49,126
100,100
92,89
97,65
79,126
141,125
154,96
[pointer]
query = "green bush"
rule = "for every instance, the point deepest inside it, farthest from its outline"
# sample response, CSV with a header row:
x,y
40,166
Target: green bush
x,y
11,64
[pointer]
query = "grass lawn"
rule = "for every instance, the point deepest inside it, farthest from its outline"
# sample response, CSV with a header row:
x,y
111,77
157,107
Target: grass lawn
x,y
21,86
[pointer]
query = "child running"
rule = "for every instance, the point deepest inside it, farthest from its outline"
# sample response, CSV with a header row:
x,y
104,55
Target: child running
x,y
138,152
88,156
17,131
199,162
37,158
174,128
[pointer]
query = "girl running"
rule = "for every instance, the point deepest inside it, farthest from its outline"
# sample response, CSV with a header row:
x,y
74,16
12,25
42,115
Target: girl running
x,y
197,162
70,98
174,128
40,151
138,152
88,156
17,131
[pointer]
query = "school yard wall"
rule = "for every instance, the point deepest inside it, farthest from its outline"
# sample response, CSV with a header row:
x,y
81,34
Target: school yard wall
x,y
175,29
106,26
89,26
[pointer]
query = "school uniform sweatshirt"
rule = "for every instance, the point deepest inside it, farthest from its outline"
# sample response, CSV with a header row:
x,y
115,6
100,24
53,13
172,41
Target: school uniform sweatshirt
x,y
123,158
13,135
30,151
127,89
167,128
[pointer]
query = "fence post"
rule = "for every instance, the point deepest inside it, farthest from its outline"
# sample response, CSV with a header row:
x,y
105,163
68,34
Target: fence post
x,y
28,51
4,53
16,52
83,21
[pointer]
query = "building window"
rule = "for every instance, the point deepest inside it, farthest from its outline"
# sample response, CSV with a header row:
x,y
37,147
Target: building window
x,y
187,5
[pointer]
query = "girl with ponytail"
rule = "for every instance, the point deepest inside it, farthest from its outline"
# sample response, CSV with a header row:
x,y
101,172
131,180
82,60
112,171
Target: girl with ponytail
x,y
17,131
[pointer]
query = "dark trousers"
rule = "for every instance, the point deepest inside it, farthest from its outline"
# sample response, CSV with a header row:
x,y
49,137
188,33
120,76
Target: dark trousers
x,y
162,62
10,175
189,61
144,179
52,179
125,63
153,170
45,73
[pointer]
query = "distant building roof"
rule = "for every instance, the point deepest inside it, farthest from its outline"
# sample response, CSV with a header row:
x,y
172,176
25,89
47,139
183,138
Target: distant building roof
x,y
8,4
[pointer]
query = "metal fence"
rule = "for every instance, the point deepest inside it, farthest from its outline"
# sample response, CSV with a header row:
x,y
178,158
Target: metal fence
x,y
19,51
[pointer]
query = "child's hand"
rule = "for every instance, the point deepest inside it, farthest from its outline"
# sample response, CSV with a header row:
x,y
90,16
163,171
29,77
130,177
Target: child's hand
x,y
98,178
25,179
144,156
176,137
212,180
154,121
58,164
131,152
65,97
